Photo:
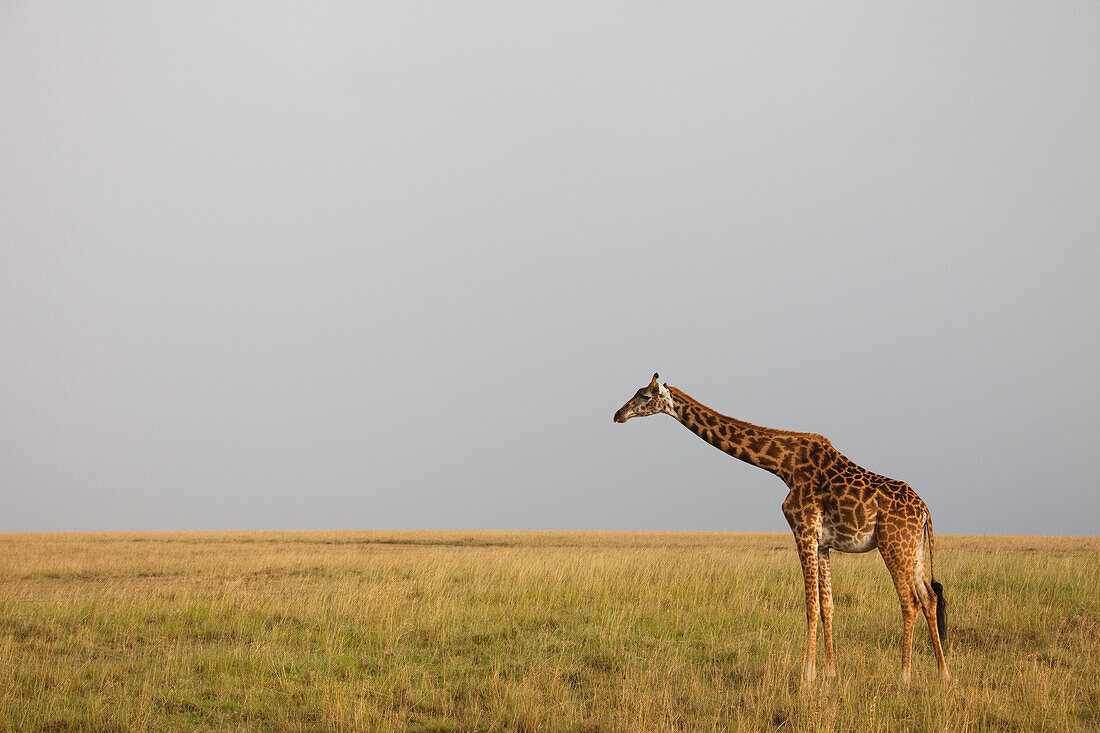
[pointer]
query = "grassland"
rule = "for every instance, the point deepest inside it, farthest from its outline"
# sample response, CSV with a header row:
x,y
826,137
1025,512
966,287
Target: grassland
x,y
527,631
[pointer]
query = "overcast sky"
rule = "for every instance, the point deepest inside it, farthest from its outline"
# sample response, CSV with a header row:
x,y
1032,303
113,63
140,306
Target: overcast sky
x,y
395,265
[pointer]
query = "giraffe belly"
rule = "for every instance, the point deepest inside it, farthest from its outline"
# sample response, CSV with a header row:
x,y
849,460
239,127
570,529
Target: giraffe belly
x,y
846,539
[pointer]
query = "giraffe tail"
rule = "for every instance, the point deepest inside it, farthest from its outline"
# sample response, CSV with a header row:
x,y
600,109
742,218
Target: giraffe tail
x,y
937,588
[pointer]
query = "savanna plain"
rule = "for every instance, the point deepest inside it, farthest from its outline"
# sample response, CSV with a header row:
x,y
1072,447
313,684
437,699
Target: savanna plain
x,y
518,631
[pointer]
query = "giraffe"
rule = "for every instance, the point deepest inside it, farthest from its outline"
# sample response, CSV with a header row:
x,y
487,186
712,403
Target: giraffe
x,y
833,504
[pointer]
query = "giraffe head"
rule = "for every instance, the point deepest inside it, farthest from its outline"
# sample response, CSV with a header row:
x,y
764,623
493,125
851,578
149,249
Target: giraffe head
x,y
649,400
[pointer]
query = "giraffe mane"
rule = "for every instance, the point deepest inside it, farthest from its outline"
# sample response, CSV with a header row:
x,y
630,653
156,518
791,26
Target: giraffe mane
x,y
681,395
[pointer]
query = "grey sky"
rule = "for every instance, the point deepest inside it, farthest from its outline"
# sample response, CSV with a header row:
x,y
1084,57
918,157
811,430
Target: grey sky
x,y
395,265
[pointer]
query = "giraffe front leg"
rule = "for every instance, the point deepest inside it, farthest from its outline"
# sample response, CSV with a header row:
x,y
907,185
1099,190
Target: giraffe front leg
x,y
825,593
807,553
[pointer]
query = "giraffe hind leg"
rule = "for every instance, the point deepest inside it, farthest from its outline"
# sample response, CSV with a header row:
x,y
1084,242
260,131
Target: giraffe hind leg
x,y
901,566
909,612
931,602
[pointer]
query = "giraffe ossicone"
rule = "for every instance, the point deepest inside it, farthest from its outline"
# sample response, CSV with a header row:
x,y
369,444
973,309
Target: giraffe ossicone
x,y
833,503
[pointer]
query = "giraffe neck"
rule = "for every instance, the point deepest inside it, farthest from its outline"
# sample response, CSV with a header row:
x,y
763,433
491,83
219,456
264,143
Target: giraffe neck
x,y
775,451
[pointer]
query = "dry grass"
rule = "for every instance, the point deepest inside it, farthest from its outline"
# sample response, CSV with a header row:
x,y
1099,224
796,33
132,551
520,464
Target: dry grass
x,y
526,631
